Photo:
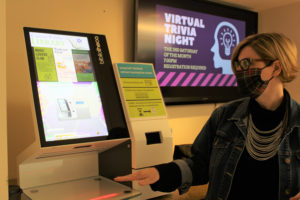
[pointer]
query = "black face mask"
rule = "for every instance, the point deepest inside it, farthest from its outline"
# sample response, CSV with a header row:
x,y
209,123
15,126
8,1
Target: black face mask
x,y
250,82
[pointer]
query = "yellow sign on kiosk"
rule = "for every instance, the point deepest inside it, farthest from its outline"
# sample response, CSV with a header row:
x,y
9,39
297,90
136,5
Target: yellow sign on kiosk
x,y
140,90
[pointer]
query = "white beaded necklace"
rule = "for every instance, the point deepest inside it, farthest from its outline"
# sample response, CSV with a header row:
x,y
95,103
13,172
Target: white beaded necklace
x,y
263,145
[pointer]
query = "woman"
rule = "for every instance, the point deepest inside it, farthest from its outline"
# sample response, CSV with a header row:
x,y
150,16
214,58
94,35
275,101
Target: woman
x,y
249,148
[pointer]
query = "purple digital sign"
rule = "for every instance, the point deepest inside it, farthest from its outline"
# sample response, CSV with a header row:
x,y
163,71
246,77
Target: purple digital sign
x,y
194,49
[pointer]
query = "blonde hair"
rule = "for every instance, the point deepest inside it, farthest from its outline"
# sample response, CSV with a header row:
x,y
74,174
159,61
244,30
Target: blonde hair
x,y
272,46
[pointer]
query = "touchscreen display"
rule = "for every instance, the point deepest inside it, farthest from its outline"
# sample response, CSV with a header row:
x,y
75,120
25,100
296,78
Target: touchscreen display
x,y
69,98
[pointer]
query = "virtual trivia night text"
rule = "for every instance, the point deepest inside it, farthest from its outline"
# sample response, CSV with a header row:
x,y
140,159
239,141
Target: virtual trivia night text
x,y
181,30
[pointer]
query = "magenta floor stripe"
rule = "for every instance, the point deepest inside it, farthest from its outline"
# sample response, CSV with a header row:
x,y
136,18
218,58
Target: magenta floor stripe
x,y
168,78
198,79
216,79
178,79
224,79
230,83
207,79
159,75
188,79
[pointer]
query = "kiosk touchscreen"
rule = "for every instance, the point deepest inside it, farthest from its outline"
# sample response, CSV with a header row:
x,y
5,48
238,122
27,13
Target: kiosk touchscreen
x,y
77,114
76,100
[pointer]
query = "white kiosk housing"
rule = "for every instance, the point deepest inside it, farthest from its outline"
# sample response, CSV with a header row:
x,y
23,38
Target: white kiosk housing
x,y
146,117
78,117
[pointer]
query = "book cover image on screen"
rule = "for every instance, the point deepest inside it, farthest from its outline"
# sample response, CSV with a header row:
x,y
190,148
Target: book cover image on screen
x,y
67,89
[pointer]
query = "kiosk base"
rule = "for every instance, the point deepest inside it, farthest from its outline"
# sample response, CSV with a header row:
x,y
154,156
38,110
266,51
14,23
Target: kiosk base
x,y
92,188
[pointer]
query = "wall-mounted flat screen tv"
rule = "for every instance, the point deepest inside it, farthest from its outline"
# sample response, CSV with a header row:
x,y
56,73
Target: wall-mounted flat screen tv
x,y
190,44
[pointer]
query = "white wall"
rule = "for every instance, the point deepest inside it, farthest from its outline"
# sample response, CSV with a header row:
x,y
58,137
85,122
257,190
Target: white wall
x,y
186,121
3,129
284,20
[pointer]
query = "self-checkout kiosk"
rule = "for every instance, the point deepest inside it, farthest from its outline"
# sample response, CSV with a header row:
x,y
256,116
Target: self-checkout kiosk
x,y
146,117
83,138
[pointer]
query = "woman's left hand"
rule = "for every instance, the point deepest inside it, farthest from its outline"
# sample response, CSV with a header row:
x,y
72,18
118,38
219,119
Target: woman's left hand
x,y
297,197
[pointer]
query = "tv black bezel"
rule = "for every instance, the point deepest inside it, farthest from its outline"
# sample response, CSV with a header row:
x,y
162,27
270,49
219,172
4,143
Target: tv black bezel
x,y
145,46
114,115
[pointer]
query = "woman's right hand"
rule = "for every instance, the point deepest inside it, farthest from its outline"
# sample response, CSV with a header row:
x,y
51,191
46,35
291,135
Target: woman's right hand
x,y
144,177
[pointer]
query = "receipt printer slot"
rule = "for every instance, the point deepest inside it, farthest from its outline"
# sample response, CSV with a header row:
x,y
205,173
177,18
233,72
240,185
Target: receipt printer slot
x,y
153,137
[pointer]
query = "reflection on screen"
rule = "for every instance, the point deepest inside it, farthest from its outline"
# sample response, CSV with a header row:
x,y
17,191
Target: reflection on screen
x,y
69,98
